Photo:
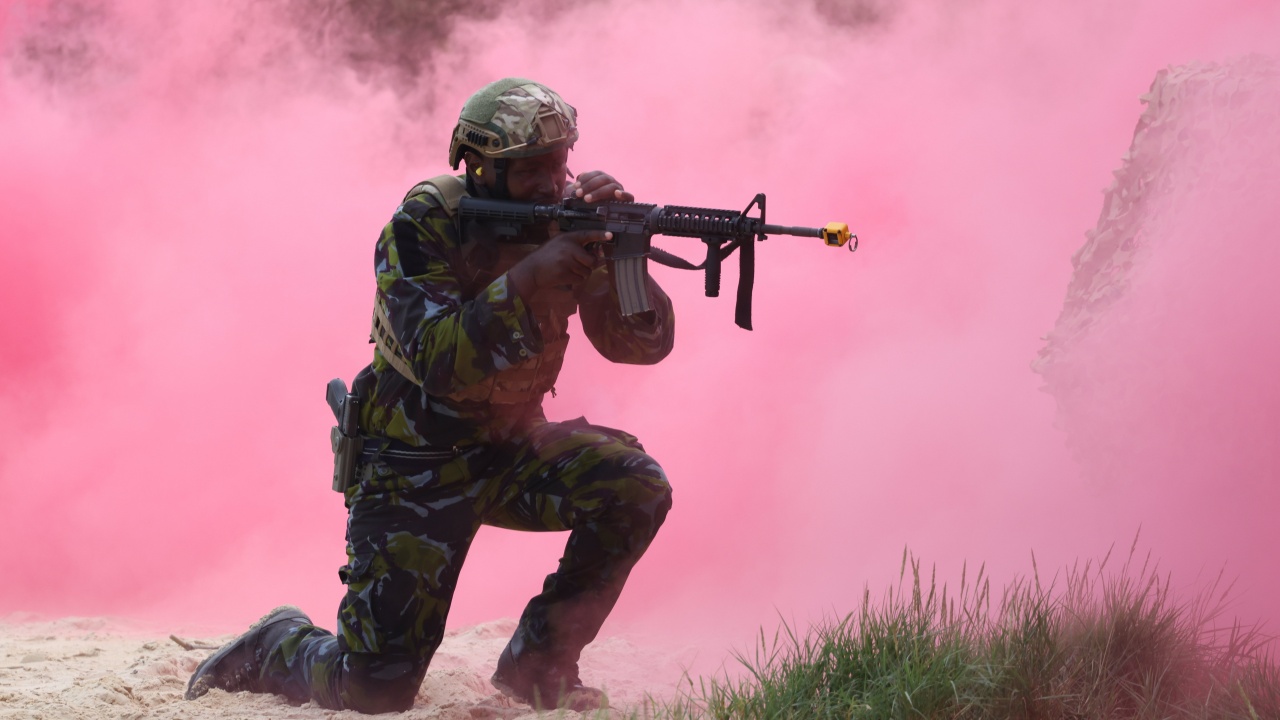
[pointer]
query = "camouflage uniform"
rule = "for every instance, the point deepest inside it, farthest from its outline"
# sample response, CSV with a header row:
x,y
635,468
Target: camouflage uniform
x,y
484,356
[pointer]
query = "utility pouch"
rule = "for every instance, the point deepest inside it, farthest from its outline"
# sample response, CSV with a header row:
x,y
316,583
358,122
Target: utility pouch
x,y
345,436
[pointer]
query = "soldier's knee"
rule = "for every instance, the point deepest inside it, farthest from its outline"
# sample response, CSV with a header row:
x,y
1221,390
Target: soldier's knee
x,y
662,499
651,495
374,684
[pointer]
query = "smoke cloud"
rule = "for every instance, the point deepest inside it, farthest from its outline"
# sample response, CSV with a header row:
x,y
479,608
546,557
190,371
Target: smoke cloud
x,y
191,201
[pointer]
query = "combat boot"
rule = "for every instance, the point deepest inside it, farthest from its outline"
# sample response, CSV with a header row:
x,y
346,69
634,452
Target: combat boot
x,y
544,686
237,665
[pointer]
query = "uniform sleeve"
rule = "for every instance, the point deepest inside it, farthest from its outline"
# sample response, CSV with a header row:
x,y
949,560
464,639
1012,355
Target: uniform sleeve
x,y
641,339
450,344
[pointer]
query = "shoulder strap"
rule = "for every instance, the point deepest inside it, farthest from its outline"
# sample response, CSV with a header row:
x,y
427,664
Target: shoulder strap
x,y
387,344
446,189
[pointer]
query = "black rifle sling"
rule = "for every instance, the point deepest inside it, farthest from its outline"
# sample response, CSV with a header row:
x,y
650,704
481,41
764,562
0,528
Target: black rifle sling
x,y
746,281
662,257
746,273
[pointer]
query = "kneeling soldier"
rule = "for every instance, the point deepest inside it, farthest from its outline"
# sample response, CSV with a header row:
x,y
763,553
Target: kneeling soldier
x,y
470,333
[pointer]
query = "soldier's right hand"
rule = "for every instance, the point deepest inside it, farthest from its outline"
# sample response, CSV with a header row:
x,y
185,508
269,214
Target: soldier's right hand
x,y
562,260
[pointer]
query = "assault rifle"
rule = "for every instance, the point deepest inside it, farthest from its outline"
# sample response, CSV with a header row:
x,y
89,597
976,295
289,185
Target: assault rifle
x,y
633,224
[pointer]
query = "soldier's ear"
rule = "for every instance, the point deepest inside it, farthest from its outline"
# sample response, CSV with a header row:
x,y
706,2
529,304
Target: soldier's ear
x,y
477,168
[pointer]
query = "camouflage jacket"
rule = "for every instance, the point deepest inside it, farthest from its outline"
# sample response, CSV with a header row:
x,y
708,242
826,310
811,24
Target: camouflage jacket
x,y
460,325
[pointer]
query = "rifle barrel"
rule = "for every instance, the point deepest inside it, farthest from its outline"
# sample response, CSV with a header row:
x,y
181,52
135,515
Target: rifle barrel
x,y
791,230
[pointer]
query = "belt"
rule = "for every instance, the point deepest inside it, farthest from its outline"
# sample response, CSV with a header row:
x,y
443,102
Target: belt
x,y
383,448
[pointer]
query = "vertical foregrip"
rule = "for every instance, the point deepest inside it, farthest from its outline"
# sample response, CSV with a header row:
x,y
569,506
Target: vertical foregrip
x,y
712,266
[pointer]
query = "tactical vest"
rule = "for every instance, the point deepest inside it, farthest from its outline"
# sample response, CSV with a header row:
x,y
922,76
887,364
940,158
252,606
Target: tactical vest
x,y
482,264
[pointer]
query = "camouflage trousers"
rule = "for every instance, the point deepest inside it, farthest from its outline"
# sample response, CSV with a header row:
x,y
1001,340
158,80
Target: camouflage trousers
x,y
408,533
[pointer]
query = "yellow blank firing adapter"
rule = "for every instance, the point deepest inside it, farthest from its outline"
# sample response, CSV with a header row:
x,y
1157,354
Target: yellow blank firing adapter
x,y
837,234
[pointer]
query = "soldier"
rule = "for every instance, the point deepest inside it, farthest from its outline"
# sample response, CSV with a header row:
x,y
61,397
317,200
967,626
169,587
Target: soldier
x,y
470,333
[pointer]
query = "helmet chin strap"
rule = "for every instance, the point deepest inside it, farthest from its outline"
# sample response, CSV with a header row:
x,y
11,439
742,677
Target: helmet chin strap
x,y
500,189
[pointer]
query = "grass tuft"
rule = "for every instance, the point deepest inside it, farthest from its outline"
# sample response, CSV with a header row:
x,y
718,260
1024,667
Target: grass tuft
x,y
1091,645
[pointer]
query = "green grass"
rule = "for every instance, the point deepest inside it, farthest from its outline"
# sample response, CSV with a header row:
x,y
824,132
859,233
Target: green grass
x,y
1092,645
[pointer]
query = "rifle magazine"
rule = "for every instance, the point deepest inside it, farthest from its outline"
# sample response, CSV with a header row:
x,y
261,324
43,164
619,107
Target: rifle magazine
x,y
633,295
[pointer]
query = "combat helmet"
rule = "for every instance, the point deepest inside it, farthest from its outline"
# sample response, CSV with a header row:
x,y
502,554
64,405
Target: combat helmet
x,y
513,118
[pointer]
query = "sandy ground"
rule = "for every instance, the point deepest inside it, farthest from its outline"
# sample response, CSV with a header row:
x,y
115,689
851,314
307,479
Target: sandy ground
x,y
102,668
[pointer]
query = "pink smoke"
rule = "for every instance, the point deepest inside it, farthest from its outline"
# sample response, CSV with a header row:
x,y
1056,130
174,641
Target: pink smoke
x,y
189,223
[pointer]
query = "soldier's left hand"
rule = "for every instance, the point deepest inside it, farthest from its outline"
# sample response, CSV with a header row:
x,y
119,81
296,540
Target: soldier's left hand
x,y
596,186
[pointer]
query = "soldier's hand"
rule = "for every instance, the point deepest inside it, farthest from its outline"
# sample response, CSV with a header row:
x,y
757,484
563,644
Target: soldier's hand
x,y
562,260
596,186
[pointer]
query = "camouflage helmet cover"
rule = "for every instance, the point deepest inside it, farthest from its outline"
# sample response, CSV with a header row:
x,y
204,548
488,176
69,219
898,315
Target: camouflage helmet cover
x,y
513,118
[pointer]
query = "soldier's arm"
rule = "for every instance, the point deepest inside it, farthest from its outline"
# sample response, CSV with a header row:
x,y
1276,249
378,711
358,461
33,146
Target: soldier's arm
x,y
641,339
449,343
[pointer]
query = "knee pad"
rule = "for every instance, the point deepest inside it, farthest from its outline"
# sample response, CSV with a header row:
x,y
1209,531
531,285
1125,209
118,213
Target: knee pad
x,y
376,683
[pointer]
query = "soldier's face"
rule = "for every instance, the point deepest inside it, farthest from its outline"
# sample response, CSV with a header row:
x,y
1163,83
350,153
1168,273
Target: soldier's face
x,y
538,179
